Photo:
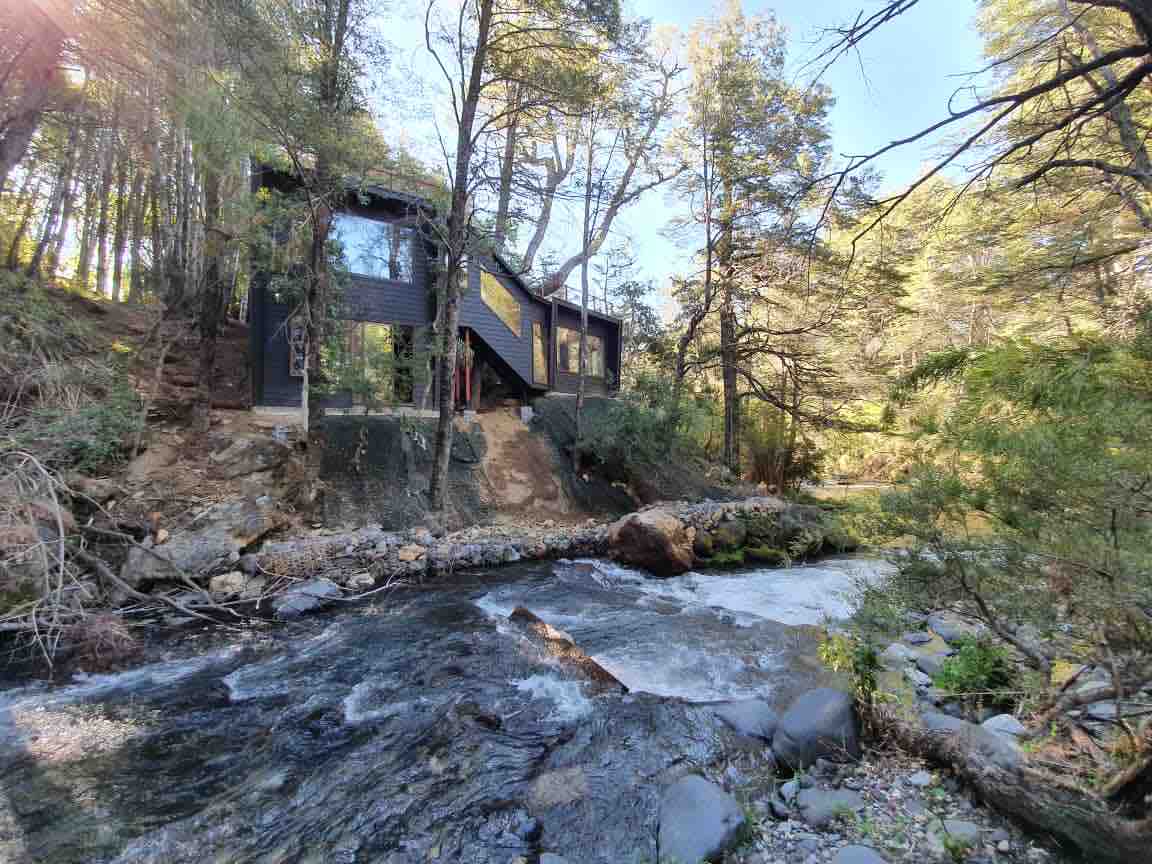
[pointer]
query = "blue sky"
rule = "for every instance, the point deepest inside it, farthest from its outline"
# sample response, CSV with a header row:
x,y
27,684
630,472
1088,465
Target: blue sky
x,y
899,84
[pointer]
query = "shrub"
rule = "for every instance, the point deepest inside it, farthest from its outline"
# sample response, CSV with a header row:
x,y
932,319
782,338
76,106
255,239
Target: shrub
x,y
646,425
978,667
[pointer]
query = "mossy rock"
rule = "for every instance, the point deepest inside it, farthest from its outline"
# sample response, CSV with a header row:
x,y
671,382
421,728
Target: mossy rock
x,y
731,558
703,545
769,555
729,535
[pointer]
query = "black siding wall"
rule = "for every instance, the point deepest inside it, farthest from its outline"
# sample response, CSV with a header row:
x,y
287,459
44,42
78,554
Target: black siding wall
x,y
515,348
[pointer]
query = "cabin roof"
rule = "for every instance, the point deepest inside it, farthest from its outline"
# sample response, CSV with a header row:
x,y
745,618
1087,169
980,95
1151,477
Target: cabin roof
x,y
386,194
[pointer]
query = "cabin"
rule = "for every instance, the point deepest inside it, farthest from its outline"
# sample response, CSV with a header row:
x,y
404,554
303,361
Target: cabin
x,y
515,344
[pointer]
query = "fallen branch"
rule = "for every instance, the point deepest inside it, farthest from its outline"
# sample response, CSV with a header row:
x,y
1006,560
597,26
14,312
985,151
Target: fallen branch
x,y
1014,785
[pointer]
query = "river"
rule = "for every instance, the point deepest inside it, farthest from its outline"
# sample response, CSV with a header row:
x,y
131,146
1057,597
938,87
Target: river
x,y
422,727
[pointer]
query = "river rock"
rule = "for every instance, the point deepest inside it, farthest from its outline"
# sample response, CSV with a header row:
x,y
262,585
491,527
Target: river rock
x,y
229,584
752,717
310,596
918,678
222,533
551,858
802,528
858,855
246,456
966,833
952,628
931,664
820,723
819,807
654,540
934,721
1005,724
897,656
699,821
917,637
411,552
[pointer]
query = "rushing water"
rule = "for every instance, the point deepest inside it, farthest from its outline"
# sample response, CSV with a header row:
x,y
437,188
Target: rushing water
x,y
426,727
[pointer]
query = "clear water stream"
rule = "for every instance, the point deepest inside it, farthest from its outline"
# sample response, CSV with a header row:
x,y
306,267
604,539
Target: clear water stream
x,y
425,727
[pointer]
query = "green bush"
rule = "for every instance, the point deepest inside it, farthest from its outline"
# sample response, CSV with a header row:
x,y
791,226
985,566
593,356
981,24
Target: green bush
x,y
979,666
89,437
646,425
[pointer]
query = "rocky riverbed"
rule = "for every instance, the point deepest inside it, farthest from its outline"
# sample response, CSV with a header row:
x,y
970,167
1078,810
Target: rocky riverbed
x,y
229,551
568,711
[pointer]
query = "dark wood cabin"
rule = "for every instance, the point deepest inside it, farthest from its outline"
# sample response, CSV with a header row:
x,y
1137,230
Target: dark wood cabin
x,y
517,344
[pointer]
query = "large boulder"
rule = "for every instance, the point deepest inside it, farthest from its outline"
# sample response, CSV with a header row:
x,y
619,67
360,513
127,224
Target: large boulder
x,y
751,718
819,724
652,539
249,456
214,545
699,821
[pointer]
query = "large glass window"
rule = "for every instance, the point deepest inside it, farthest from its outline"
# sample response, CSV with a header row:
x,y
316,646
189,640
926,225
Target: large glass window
x,y
500,300
374,363
568,353
368,247
539,354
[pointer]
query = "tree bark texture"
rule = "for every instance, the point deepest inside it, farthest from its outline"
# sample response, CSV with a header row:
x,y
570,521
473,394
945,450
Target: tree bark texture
x,y
1037,798
451,285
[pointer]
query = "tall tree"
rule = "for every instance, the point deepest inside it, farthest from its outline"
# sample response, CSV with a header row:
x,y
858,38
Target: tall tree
x,y
753,140
465,49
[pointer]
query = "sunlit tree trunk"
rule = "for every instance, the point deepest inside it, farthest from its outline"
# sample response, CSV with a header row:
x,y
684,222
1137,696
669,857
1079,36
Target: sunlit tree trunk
x,y
137,210
30,195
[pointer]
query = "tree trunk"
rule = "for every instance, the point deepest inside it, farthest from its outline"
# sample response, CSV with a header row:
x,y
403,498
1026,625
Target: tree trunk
x,y
457,236
77,167
557,170
32,196
728,338
38,73
1037,798
705,308
137,206
106,193
210,295
504,198
87,237
586,238
55,203
160,220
